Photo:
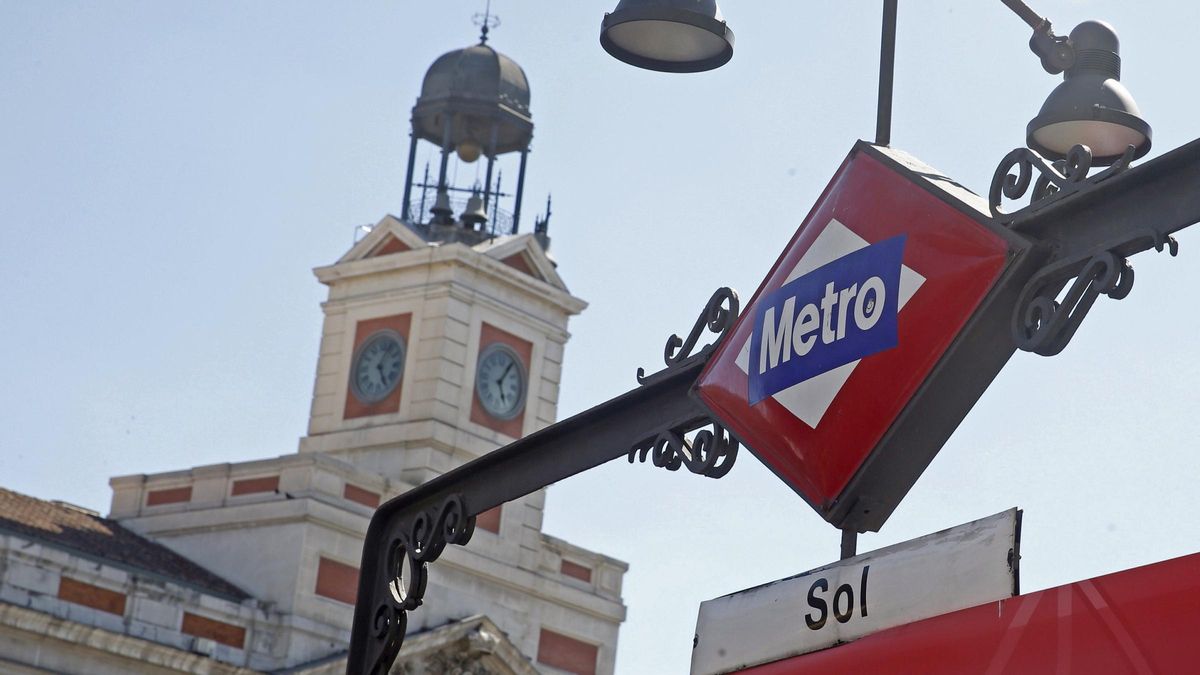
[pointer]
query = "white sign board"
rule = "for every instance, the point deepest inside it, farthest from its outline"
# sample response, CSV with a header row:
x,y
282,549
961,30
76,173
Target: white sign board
x,y
939,573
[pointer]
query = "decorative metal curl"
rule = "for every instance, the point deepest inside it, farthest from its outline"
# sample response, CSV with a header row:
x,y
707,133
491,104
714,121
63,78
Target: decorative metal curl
x,y
414,545
709,453
718,317
1056,180
1043,325
390,625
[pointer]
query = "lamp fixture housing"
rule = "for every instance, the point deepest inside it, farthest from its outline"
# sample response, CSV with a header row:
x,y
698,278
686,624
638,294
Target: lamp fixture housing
x,y
672,36
1090,107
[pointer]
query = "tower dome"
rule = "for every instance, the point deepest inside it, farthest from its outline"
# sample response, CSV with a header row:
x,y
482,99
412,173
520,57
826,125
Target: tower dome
x,y
471,96
474,102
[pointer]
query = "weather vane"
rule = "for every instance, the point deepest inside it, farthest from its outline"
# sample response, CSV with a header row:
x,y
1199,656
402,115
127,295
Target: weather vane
x,y
485,21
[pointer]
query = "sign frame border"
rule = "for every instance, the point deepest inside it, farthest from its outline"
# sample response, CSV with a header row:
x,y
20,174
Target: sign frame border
x,y
956,382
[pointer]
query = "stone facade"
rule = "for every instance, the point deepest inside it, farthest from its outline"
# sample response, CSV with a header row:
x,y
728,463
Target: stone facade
x,y
286,533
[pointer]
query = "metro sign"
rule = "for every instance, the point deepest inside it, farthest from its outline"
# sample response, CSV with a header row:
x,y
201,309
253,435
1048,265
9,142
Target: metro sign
x,y
880,325
822,333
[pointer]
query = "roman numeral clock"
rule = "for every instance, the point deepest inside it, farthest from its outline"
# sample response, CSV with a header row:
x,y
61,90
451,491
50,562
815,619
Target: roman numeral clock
x,y
500,381
377,367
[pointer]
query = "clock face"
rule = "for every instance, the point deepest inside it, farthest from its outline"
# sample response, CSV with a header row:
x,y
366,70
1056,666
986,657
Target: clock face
x,y
500,381
377,366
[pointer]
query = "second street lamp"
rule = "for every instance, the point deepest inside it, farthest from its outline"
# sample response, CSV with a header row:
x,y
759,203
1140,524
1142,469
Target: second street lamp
x,y
674,36
1091,107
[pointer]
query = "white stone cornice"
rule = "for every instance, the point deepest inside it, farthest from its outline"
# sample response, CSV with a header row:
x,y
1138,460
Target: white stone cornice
x,y
389,225
524,243
469,561
136,650
454,254
311,507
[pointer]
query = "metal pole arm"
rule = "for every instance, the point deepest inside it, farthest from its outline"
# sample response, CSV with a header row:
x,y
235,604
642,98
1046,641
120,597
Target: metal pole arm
x,y
1055,51
413,529
1026,13
1122,209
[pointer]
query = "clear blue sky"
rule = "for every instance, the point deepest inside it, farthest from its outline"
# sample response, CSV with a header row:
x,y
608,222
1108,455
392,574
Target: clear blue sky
x,y
170,172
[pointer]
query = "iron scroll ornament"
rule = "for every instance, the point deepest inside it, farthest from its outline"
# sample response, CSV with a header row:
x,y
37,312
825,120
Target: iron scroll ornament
x,y
1044,325
1043,322
1045,317
1056,181
718,317
709,453
414,544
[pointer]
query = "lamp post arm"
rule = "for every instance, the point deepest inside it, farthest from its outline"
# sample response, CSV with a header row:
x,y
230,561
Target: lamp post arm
x,y
1056,52
1026,13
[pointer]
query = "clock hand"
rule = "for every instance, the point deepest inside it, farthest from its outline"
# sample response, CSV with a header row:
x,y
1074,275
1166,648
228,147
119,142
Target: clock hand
x,y
500,380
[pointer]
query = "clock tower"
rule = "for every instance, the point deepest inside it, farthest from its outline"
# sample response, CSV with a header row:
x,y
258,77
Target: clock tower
x,y
436,352
444,332
442,340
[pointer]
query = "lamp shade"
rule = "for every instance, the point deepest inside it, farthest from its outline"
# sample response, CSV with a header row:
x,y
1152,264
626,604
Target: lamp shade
x,y
674,36
1091,107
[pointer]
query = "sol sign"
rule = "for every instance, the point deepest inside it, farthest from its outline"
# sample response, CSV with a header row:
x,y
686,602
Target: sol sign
x,y
944,572
838,374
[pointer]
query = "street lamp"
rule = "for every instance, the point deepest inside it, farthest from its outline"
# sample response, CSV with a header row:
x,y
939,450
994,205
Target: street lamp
x,y
1091,107
673,36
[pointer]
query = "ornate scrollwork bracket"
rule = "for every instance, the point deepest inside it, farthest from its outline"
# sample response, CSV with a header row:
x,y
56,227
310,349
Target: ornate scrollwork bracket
x,y
718,317
414,544
1056,181
1043,325
709,453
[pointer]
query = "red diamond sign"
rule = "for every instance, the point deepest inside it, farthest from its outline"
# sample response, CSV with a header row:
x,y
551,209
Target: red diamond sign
x,y
841,340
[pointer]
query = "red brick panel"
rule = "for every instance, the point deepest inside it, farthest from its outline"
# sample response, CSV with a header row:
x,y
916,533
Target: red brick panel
x,y
248,486
489,520
401,323
524,349
169,496
390,244
217,631
565,653
364,497
570,569
518,261
88,595
337,581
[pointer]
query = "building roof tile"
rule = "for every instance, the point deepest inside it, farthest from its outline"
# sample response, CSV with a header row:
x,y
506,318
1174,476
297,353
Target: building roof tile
x,y
81,531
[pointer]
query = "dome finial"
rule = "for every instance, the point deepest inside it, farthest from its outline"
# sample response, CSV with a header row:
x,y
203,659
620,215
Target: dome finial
x,y
485,21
